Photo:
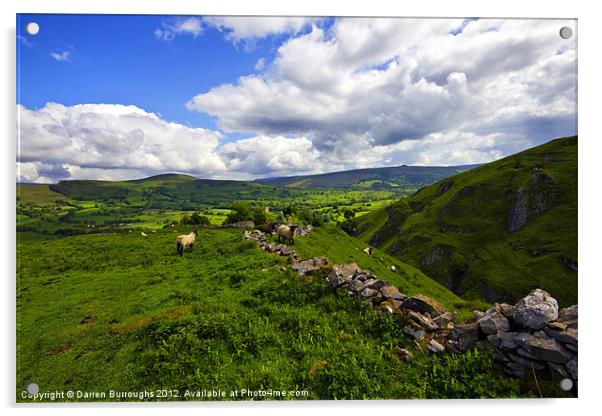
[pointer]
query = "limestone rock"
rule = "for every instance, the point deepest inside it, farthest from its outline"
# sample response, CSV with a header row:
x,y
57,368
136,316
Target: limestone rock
x,y
571,367
464,337
536,310
445,320
403,354
568,336
543,348
423,304
391,292
307,267
342,274
493,322
503,340
434,346
423,321
417,333
568,314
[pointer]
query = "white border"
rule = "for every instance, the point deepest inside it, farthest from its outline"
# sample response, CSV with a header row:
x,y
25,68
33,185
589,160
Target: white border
x,y
589,202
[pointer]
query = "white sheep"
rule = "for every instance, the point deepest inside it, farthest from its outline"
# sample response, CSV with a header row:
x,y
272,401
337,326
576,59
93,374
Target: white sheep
x,y
143,234
287,232
185,240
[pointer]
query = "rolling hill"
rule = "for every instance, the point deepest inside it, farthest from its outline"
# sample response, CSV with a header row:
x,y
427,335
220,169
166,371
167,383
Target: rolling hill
x,y
494,232
376,178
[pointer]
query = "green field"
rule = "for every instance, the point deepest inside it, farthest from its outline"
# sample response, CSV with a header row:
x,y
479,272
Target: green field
x,y
101,307
123,312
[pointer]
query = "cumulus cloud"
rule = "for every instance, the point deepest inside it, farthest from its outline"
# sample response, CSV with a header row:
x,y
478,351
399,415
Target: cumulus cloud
x,y
179,26
366,83
57,139
240,28
116,142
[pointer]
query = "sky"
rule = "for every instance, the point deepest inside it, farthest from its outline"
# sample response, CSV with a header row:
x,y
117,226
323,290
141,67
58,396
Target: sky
x,y
118,97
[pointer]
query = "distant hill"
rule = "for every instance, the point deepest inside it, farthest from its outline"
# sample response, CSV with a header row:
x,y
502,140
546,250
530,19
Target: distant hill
x,y
496,231
374,178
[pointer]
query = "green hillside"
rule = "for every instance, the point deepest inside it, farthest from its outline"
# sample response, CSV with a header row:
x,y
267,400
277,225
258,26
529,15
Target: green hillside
x,y
404,177
125,312
494,232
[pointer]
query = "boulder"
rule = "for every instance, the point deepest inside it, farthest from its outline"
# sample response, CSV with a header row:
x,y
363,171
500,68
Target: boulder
x,y
375,284
307,267
515,369
536,309
493,322
560,369
544,348
342,274
423,304
391,292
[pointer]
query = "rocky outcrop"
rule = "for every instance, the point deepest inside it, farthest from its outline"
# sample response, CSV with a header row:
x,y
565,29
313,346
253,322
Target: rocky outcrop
x,y
537,196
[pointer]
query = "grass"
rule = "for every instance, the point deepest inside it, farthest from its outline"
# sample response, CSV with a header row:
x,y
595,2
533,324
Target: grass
x,y
123,312
467,227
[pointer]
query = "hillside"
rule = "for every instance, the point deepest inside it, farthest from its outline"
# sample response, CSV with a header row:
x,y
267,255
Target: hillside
x,y
376,178
125,312
494,232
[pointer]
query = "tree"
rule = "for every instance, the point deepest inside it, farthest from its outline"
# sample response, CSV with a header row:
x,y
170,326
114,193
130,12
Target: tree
x,y
348,214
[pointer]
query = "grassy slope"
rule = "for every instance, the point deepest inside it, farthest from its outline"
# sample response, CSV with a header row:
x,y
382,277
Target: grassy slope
x,y
469,223
119,311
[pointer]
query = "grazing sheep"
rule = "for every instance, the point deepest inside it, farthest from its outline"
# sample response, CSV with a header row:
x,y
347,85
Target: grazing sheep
x,y
185,240
368,251
287,232
143,234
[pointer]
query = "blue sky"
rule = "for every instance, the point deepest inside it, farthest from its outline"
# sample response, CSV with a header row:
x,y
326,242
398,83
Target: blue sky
x,y
120,97
117,59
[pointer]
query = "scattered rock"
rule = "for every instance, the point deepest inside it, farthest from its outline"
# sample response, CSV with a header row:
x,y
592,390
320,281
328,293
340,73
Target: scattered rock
x,y
423,304
464,337
536,310
435,347
422,320
403,354
417,333
391,292
525,361
445,320
342,274
308,267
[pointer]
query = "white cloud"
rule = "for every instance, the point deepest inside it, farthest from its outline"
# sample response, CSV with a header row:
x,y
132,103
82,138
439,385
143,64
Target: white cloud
x,y
68,141
368,83
238,28
61,56
179,26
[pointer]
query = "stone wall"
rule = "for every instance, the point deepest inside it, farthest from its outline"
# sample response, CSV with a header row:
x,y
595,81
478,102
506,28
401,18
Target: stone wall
x,y
534,334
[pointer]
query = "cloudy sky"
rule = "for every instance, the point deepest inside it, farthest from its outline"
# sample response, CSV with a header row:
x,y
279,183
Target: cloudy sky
x,y
122,97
